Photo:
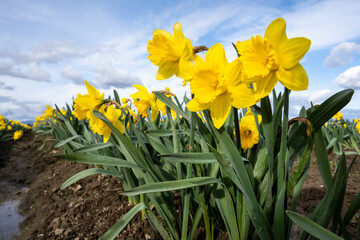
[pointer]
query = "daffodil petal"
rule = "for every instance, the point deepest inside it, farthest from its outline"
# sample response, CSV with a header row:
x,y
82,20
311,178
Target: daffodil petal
x,y
178,33
242,96
233,74
294,79
219,109
264,86
216,55
186,69
167,70
163,32
292,51
154,113
276,32
194,106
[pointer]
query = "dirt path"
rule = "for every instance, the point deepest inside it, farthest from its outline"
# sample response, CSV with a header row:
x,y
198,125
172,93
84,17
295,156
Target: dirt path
x,y
82,211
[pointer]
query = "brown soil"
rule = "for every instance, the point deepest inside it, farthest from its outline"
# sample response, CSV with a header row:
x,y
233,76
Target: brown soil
x,y
84,210
88,208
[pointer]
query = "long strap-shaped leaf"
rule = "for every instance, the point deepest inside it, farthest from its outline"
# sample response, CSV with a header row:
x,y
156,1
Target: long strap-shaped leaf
x,y
171,185
84,174
117,227
98,160
256,214
311,227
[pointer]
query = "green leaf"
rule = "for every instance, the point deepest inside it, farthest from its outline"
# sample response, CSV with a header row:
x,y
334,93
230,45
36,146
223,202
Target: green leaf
x,y
311,227
195,158
84,174
352,210
93,147
119,226
63,142
171,105
98,160
322,159
171,185
320,116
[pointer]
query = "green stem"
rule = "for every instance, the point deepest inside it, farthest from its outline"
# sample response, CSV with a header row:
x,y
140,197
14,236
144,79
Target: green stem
x,y
186,206
282,155
237,127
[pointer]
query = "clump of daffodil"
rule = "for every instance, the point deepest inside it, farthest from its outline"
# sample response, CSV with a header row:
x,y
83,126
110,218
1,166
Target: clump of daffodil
x,y
338,116
85,104
249,134
274,58
143,100
99,126
18,134
173,54
162,107
217,86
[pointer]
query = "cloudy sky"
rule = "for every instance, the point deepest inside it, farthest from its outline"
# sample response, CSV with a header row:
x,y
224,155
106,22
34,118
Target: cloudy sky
x,y
48,48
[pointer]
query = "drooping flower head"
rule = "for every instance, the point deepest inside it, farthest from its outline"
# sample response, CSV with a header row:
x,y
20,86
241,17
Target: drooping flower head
x,y
18,134
85,104
173,54
338,116
274,58
217,86
99,126
249,134
143,100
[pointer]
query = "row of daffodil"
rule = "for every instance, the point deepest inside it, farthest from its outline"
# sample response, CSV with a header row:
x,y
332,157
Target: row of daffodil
x,y
234,176
11,129
340,133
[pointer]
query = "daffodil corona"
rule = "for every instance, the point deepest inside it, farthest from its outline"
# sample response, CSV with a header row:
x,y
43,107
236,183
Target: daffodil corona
x,y
173,54
249,134
99,126
217,86
85,104
274,58
143,100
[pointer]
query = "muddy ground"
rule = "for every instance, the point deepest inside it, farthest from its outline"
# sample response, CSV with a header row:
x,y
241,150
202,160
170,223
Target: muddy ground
x,y
88,208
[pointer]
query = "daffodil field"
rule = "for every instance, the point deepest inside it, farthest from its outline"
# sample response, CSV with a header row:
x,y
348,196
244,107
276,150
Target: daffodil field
x,y
228,159
11,130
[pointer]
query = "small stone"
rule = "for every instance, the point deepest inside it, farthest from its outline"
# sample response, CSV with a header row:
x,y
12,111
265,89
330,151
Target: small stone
x,y
59,231
55,223
78,187
147,236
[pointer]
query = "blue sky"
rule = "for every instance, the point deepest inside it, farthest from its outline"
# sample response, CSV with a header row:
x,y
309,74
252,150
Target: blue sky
x,y
48,48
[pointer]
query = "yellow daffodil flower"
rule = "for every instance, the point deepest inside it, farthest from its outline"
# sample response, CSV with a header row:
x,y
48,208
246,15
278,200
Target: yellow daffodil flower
x,y
99,126
338,116
274,58
143,100
358,127
249,134
85,104
18,134
217,86
2,125
356,120
9,127
162,107
173,54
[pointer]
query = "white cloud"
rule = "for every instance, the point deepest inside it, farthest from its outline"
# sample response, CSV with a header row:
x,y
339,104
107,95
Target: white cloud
x,y
71,73
350,78
107,75
4,86
342,54
32,72
50,52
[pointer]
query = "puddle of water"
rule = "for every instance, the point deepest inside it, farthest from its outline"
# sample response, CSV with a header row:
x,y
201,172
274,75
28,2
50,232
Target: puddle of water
x,y
9,219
